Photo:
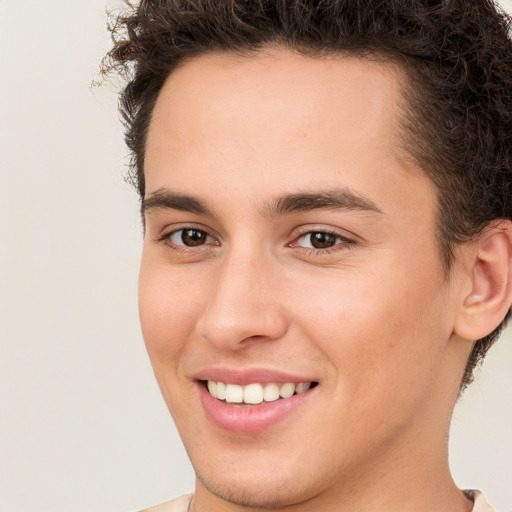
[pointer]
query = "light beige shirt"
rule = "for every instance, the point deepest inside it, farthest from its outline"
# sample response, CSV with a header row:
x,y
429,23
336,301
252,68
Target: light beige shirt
x,y
181,504
178,505
480,505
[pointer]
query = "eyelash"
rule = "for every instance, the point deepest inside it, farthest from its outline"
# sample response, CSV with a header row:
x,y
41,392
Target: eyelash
x,y
343,243
166,239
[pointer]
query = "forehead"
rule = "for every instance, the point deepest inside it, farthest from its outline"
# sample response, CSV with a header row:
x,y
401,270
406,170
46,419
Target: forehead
x,y
276,98
276,122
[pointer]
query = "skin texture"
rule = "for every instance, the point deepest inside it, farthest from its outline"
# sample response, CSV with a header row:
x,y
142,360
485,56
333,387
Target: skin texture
x,y
374,319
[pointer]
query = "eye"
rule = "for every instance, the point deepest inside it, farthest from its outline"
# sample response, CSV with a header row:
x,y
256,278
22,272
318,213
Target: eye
x,y
190,237
320,240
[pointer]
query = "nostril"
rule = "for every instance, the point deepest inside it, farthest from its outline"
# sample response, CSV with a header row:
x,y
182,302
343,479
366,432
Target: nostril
x,y
256,337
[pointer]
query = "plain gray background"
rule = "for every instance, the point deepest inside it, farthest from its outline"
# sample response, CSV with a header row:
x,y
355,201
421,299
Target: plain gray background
x,y
82,423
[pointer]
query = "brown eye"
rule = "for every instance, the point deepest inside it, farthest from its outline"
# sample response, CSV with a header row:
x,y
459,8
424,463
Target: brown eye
x,y
193,237
190,237
320,240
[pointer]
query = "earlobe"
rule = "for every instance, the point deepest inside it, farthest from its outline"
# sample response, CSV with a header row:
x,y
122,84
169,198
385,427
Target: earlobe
x,y
485,307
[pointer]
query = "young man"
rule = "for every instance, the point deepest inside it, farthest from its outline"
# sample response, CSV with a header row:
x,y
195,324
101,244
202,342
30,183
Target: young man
x,y
328,246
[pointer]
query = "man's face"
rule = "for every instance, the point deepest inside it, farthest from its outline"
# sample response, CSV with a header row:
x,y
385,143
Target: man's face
x,y
287,243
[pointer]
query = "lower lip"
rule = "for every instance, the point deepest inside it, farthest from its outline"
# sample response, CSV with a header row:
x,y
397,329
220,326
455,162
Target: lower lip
x,y
249,419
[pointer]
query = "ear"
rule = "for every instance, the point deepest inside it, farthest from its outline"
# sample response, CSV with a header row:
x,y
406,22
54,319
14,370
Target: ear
x,y
490,275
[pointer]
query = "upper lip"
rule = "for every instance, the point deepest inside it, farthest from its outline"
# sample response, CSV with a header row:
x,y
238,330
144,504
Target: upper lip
x,y
244,376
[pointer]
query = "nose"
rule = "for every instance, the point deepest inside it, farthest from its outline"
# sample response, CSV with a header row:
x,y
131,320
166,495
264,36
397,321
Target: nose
x,y
243,303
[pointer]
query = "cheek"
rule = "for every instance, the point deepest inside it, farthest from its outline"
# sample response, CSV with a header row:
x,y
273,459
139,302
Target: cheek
x,y
166,318
377,331
167,321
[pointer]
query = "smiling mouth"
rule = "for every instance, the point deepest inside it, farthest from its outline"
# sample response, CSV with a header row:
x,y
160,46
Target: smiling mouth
x,y
255,393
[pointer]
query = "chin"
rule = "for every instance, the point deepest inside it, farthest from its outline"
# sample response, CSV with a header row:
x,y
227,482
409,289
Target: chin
x,y
255,492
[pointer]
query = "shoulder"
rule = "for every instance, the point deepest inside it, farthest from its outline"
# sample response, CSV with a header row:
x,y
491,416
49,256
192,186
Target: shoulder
x,y
178,505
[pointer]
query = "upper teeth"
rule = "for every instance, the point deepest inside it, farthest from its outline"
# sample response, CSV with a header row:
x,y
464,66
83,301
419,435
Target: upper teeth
x,y
255,393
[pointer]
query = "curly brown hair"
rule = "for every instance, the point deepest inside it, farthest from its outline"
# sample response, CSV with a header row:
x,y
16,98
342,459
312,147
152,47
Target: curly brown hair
x,y
457,55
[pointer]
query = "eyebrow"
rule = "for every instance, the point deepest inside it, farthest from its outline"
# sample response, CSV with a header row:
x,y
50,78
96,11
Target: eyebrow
x,y
165,199
335,199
